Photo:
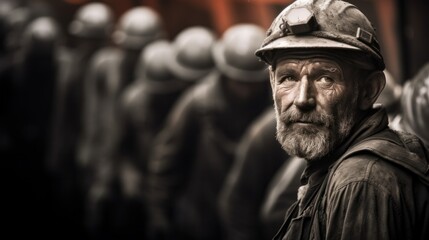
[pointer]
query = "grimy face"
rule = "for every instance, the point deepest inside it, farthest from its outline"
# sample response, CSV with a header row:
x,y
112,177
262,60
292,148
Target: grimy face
x,y
316,103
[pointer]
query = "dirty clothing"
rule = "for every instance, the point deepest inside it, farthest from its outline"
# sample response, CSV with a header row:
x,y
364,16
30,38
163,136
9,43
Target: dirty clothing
x,y
374,186
194,153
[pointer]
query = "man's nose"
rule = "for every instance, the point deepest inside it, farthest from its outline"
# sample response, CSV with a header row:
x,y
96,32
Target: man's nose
x,y
304,98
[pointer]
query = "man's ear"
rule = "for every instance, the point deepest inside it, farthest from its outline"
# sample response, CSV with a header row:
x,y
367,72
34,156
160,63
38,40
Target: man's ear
x,y
371,89
272,76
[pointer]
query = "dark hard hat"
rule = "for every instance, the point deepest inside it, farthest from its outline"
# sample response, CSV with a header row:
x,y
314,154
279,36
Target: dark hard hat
x,y
415,104
41,36
322,24
6,7
93,20
153,62
391,92
192,53
234,53
137,27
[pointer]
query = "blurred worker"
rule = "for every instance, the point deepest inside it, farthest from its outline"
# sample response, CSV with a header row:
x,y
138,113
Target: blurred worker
x,y
6,83
192,58
414,115
137,106
164,71
112,70
90,30
196,148
5,9
146,103
362,180
34,80
15,15
22,14
259,156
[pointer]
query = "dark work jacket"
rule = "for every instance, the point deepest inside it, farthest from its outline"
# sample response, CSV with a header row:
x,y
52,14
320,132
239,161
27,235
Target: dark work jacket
x,y
374,187
109,183
144,106
194,152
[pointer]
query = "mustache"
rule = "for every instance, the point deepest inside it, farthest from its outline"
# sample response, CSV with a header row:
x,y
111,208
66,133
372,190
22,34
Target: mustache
x,y
295,116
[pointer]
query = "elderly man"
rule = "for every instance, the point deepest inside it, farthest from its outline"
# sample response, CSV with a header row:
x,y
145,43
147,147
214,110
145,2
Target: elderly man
x,y
362,180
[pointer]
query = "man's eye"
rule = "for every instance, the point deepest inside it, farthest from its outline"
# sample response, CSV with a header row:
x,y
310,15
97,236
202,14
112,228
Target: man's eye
x,y
326,81
287,78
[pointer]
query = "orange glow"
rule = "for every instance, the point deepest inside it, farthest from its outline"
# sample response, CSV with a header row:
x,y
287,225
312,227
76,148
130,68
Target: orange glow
x,y
76,1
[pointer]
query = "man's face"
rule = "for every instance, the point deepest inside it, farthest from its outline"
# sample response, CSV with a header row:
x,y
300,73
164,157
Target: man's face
x,y
316,104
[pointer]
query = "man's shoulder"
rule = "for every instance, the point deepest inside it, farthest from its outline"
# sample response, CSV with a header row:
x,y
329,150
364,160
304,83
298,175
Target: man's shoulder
x,y
386,153
380,164
368,169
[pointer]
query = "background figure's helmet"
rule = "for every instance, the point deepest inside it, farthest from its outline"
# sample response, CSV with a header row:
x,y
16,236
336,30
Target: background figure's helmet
x,y
391,92
234,53
192,57
41,37
415,104
93,20
6,7
153,62
137,27
318,24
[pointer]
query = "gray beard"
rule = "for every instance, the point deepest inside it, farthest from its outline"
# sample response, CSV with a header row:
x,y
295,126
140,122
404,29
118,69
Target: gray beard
x,y
315,141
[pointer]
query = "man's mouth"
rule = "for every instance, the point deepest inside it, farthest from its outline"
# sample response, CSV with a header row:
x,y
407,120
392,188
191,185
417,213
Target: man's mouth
x,y
305,123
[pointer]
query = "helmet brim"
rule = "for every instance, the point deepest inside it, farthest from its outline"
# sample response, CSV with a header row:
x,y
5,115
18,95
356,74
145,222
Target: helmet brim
x,y
234,73
132,42
186,73
300,42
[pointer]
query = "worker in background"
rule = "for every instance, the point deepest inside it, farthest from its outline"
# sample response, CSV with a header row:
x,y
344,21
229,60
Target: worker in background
x,y
147,101
390,96
195,150
414,114
90,30
34,78
165,70
111,71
